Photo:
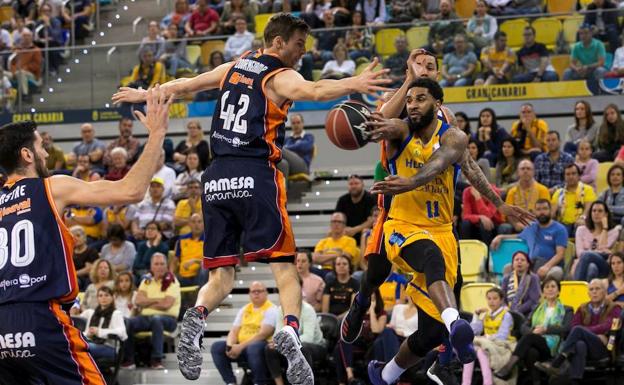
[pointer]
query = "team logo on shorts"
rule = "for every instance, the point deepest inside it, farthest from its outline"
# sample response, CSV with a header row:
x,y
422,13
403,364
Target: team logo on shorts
x,y
228,188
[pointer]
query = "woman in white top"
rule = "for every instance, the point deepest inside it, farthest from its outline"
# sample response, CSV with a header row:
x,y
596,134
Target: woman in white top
x,y
617,68
125,291
192,171
101,322
341,67
482,27
102,274
403,323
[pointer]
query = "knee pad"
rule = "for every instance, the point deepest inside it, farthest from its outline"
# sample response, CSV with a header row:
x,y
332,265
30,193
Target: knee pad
x,y
425,256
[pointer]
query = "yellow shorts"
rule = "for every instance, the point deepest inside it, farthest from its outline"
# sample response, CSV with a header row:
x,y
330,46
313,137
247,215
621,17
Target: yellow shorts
x,y
398,234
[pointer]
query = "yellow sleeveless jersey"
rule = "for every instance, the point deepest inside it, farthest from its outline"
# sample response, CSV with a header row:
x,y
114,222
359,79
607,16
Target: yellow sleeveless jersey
x,y
431,204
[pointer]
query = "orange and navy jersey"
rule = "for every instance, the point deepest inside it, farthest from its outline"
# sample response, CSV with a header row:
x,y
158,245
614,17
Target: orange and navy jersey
x,y
246,123
35,245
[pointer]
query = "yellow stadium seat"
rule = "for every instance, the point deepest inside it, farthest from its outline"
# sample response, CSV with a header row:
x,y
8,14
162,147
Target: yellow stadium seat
x,y
601,177
585,3
547,30
472,296
514,29
309,44
262,19
473,252
561,6
560,63
465,8
316,74
570,27
417,37
6,13
193,52
574,293
208,47
384,40
81,296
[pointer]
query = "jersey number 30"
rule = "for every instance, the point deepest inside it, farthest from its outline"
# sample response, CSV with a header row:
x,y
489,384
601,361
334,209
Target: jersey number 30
x,y
229,117
20,256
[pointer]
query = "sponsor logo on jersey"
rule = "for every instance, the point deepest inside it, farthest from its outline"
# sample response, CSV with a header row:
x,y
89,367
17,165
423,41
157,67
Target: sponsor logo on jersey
x,y
235,141
228,188
23,281
17,208
15,345
237,78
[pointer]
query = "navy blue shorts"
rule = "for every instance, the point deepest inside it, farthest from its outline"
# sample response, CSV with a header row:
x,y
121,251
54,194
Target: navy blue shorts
x,y
39,345
244,205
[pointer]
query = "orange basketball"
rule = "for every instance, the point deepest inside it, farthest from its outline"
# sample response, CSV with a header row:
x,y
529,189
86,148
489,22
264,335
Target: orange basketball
x,y
346,125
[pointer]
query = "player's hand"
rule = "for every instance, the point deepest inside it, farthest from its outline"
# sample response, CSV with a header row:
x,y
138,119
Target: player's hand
x,y
521,215
392,185
129,95
369,82
411,61
384,129
157,119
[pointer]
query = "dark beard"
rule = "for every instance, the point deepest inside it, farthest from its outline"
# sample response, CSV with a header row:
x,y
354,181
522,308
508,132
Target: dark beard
x,y
543,219
40,167
424,122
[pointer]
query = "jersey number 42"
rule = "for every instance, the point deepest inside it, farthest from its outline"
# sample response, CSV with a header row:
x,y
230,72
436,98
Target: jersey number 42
x,y
233,119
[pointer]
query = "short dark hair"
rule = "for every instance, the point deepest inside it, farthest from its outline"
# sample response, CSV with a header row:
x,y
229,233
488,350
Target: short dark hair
x,y
553,132
573,165
530,28
431,85
611,169
284,25
499,34
116,231
496,290
543,201
551,279
14,137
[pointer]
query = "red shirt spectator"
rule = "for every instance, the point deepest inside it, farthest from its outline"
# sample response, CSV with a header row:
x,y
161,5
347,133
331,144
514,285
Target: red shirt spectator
x,y
203,20
475,207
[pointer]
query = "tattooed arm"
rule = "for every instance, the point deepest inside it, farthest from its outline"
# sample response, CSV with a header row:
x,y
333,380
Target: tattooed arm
x,y
471,170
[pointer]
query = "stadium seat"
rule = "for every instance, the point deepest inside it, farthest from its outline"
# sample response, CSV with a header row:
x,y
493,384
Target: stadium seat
x,y
6,13
472,296
465,8
560,63
574,293
585,3
208,47
502,256
473,253
547,30
601,177
560,6
262,19
193,53
384,41
309,44
514,29
570,28
417,37
316,74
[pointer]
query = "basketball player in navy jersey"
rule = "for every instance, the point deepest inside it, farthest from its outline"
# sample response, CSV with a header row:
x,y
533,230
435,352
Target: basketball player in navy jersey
x,y
38,342
244,199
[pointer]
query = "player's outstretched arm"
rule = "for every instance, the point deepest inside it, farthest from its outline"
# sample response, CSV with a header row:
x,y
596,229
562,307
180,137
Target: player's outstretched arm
x,y
72,191
292,86
452,147
206,81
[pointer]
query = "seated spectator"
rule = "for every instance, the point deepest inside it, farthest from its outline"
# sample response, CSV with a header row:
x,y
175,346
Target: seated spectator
x,y
458,66
547,241
125,292
119,164
118,251
253,327
526,192
602,16
521,287
159,299
216,59
148,72
446,27
431,10
541,333
194,142
84,171
192,172
507,165
375,321
550,166
101,322
153,41
27,9
481,27
233,9
356,205
403,323
610,137
152,244
490,134
588,338
19,26
82,10
56,158
337,244
480,219
102,274
313,343
322,51
514,7
178,17
463,123
341,66
116,215
155,208
529,131
594,241
616,279
617,68
582,128
84,256
498,61
397,62
166,174
611,196
340,291
476,151
89,218
405,11
533,61
186,208
360,39
27,64
374,11
90,146
50,34
493,341
203,21
239,42
189,254
298,148
125,141
312,285
587,57
570,203
588,165
174,55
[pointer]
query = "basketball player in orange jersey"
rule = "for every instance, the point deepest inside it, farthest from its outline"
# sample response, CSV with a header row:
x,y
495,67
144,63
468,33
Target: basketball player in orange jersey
x,y
38,284
243,191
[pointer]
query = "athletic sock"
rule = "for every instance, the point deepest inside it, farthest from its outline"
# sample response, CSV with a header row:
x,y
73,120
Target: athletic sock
x,y
292,321
391,372
203,310
362,300
449,315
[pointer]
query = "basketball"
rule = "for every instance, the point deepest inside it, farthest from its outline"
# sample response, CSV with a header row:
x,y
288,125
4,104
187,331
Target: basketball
x,y
346,125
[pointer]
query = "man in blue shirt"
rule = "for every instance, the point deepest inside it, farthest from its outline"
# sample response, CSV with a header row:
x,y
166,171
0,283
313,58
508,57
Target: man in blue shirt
x,y
550,166
298,147
547,240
